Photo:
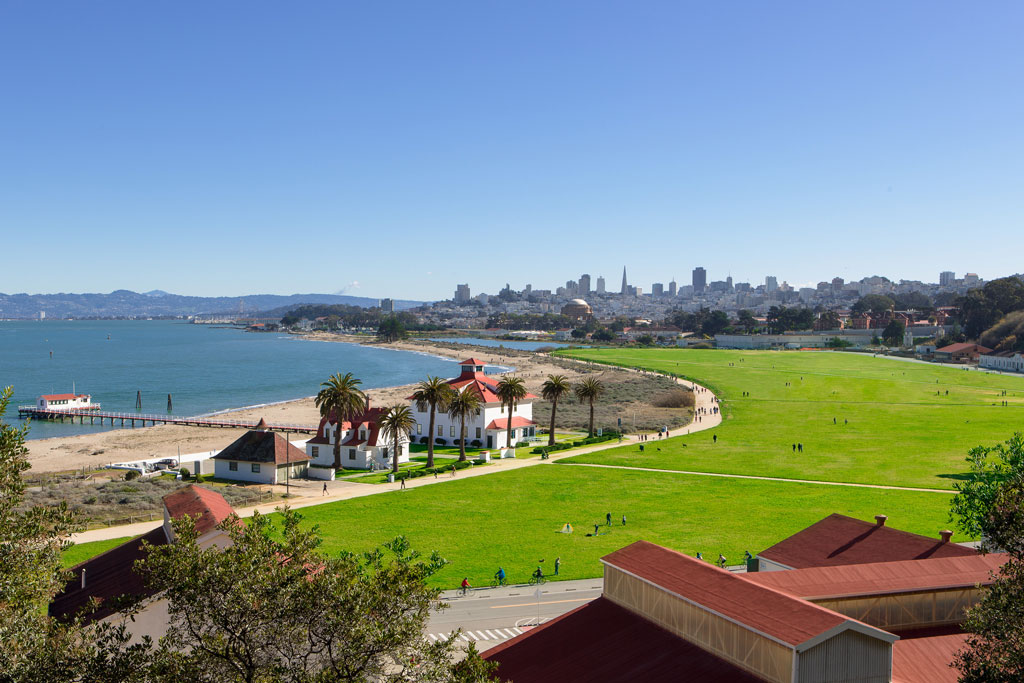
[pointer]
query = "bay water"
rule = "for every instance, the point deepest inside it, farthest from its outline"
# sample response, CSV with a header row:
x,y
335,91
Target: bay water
x,y
206,369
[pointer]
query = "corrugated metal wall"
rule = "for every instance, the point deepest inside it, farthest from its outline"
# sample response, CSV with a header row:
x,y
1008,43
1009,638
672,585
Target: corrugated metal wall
x,y
845,658
743,647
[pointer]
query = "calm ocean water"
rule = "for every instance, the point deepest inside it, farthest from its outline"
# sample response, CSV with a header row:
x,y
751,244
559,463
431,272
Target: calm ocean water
x,y
205,369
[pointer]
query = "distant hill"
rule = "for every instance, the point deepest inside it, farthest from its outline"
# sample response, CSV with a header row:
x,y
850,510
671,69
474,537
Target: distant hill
x,y
124,303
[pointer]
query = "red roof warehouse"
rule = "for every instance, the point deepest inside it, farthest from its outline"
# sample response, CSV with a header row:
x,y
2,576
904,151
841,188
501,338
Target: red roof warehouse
x,y
665,616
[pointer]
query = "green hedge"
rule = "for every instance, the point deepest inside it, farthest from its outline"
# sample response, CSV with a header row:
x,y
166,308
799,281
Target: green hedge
x,y
563,445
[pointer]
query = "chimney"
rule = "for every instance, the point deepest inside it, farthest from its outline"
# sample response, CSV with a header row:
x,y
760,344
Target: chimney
x,y
945,535
880,520
367,403
83,578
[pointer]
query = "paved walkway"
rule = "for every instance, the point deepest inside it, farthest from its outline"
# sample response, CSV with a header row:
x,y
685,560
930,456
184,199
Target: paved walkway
x,y
308,492
752,476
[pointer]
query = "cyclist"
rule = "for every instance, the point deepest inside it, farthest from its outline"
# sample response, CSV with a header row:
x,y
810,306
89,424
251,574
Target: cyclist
x,y
538,573
500,576
465,585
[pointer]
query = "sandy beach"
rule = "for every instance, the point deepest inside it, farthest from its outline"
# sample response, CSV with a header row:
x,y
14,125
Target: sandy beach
x,y
102,448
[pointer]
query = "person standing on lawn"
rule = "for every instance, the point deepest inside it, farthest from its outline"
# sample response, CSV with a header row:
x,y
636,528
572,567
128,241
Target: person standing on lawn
x,y
558,564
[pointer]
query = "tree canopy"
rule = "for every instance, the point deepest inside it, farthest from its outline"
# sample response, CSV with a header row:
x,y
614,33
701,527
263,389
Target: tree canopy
x,y
982,308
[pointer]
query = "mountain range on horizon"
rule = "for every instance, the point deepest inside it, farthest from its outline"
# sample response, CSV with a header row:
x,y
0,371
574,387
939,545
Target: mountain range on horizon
x,y
126,303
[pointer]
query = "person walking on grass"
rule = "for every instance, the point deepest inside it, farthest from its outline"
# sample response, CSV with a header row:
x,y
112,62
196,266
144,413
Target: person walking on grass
x,y
714,438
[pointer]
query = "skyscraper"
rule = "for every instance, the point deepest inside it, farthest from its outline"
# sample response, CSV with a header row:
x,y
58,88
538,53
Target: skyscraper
x,y
700,280
771,283
462,294
947,278
600,284
625,287
657,289
584,287
672,287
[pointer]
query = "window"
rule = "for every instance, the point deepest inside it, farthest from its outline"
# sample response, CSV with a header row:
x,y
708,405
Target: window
x,y
421,406
316,451
513,433
478,432
451,431
419,428
351,454
384,453
233,466
255,468
440,430
362,435
478,412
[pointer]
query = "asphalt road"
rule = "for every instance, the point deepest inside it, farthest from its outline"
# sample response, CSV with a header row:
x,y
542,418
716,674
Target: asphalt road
x,y
491,616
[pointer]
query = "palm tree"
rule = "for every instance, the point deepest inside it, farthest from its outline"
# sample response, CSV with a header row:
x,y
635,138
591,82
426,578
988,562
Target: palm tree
x,y
552,390
460,406
510,390
341,396
589,390
436,393
398,420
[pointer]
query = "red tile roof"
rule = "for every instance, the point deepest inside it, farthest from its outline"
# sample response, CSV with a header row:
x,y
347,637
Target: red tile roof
x,y
255,446
107,576
601,641
502,423
963,346
764,610
62,397
882,578
207,508
472,361
838,540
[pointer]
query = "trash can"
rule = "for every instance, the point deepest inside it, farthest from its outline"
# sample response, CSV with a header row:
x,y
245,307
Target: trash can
x,y
391,478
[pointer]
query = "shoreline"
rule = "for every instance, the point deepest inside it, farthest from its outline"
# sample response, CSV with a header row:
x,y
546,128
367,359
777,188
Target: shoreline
x,y
100,448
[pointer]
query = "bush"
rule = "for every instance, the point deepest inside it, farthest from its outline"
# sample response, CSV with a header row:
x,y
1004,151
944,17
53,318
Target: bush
x,y
522,444
131,474
462,465
91,500
441,442
680,398
184,472
475,443
424,440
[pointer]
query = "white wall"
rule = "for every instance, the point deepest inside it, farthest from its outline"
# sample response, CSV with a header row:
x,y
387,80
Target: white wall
x,y
244,473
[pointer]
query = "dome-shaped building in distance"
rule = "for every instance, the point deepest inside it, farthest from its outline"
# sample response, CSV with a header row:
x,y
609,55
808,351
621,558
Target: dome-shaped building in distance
x,y
578,309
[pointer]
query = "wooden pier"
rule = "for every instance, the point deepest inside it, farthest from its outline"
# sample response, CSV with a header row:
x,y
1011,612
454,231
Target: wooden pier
x,y
130,419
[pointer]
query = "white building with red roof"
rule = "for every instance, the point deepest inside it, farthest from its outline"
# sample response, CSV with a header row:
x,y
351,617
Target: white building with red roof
x,y
363,445
488,428
66,402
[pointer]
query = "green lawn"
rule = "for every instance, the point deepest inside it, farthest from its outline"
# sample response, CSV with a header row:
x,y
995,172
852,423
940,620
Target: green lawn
x,y
512,518
899,431
82,552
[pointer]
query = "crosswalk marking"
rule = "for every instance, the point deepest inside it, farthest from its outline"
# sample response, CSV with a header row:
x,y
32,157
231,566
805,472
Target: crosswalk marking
x,y
494,634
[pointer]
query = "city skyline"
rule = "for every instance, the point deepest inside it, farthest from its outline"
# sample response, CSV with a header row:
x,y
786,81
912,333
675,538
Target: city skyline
x,y
744,138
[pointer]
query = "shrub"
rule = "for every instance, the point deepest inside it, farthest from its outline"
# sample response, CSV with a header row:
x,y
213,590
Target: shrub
x,y
424,440
701,345
462,465
91,500
441,442
679,398
522,444
475,443
124,501
184,472
131,474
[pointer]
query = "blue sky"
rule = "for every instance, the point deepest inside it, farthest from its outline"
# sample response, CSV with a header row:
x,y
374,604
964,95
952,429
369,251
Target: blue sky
x,y
396,149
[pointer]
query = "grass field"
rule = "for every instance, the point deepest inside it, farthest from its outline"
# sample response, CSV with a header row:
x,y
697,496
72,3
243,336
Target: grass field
x,y
83,551
891,426
512,518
